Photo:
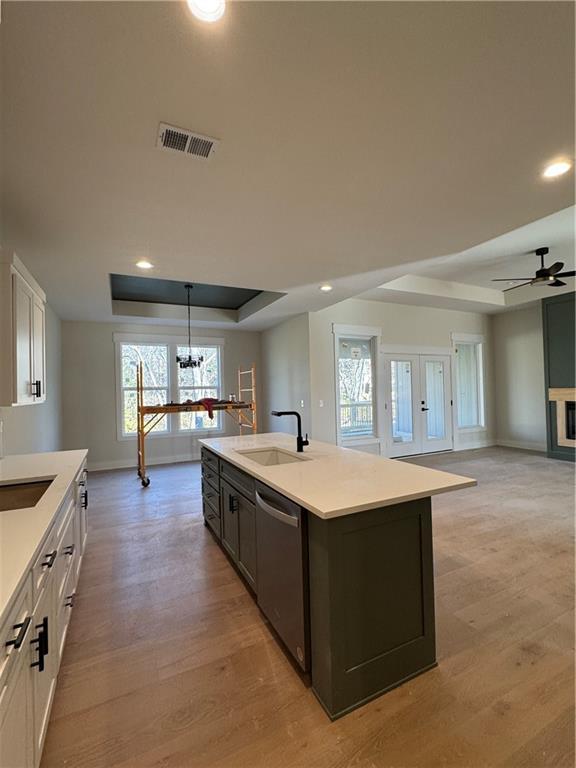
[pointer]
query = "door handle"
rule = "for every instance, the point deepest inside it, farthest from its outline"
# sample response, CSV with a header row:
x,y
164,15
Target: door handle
x,y
37,388
425,409
42,641
284,517
233,504
22,629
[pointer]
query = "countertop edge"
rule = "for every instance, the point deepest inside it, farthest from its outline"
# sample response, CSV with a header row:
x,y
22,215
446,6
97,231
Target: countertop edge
x,y
340,512
6,608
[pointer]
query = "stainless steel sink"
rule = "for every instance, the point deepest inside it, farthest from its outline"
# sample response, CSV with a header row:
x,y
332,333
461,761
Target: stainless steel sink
x,y
22,495
269,457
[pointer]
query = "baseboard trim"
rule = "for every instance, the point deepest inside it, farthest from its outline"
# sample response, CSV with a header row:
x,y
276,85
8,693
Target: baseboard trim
x,y
98,466
525,445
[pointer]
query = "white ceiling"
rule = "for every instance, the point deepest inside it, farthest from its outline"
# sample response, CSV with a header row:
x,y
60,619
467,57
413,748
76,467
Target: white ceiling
x,y
355,137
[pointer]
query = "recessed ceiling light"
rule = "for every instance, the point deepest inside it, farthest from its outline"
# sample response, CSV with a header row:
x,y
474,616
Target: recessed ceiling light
x,y
326,288
207,10
556,169
144,264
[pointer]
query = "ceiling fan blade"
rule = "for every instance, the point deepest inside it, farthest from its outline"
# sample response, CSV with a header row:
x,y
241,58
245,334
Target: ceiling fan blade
x,y
566,274
556,267
556,284
508,279
516,286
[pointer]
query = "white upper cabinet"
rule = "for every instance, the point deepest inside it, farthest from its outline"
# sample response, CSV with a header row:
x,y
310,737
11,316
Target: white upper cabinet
x,y
22,335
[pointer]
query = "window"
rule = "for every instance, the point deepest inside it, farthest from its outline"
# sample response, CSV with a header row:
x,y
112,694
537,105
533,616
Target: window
x,y
154,359
355,386
469,384
197,383
164,381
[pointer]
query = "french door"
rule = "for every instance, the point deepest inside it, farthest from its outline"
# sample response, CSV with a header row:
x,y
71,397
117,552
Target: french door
x,y
418,404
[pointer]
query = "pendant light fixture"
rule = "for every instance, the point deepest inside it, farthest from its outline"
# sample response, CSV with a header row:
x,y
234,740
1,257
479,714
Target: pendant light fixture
x,y
187,361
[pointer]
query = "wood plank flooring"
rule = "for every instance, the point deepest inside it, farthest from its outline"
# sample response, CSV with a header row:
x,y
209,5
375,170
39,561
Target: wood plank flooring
x,y
169,664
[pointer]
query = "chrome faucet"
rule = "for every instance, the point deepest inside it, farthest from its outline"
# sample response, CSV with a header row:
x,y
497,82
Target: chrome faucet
x,y
300,441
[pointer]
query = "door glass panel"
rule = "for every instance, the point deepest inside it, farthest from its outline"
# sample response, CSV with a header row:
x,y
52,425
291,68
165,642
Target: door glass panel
x,y
402,420
435,422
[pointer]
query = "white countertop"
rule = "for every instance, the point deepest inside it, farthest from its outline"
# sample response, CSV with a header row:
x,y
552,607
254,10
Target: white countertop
x,y
23,530
336,481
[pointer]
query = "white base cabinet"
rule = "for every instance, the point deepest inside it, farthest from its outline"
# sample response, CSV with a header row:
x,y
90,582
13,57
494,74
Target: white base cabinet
x,y
34,632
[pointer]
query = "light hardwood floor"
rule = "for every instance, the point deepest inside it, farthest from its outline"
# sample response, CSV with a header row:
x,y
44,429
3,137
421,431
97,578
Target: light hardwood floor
x,y
169,664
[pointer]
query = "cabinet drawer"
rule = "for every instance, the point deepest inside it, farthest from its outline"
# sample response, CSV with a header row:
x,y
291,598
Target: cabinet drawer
x,y
66,547
210,460
211,477
212,519
44,565
16,630
64,605
211,496
240,480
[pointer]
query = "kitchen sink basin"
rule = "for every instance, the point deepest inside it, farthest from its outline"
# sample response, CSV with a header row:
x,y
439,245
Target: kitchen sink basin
x,y
269,457
22,495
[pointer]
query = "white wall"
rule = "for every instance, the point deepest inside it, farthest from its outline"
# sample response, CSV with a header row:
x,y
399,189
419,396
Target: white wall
x,y
519,378
89,391
399,324
35,428
286,373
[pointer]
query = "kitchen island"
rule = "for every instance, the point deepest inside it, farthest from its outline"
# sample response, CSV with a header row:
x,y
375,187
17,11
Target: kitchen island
x,y
337,547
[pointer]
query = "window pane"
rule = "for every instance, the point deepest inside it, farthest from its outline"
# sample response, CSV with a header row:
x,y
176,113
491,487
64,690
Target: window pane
x,y
468,385
198,419
154,358
207,374
401,375
129,412
435,422
355,387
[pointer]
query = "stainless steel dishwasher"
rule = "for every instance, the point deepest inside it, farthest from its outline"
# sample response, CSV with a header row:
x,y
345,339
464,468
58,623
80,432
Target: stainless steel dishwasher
x,y
282,558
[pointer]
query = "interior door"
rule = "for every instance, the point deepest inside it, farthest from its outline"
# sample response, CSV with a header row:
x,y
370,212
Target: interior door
x,y
403,404
435,403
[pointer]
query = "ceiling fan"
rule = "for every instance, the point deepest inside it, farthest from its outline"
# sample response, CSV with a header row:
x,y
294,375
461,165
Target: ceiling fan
x,y
547,275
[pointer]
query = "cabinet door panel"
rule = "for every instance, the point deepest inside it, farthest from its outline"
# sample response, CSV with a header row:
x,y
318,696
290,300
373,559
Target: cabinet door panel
x,y
229,517
16,717
44,681
38,354
247,540
23,299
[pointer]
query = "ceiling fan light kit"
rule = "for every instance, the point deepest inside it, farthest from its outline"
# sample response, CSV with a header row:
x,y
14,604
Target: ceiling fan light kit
x,y
549,275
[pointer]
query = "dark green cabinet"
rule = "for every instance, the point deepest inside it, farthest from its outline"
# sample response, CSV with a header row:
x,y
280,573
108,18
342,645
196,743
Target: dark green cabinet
x,y
239,531
229,510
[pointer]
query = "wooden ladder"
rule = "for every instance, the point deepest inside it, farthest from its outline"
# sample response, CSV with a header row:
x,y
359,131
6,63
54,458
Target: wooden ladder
x,y
247,419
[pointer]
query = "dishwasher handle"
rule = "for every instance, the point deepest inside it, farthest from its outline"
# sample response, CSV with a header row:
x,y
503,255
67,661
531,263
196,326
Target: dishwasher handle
x,y
284,517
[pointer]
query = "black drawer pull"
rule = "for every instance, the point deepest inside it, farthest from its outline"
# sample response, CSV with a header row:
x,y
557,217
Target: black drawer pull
x,y
69,550
69,600
84,496
233,504
22,629
49,562
42,641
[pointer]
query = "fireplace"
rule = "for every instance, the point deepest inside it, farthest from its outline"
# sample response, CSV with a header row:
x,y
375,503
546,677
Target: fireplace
x,y
570,420
565,399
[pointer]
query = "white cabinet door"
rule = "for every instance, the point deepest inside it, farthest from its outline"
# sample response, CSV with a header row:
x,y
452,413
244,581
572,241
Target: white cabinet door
x,y
38,351
44,672
16,715
23,303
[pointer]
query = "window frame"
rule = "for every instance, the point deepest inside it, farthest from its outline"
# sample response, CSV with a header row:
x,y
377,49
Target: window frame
x,y
373,336
479,342
172,420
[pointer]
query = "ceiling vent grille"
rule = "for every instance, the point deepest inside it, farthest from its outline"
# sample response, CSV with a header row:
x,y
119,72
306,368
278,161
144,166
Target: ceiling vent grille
x,y
186,142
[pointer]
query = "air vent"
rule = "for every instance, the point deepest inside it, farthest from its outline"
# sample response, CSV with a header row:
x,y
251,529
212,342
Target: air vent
x,y
186,142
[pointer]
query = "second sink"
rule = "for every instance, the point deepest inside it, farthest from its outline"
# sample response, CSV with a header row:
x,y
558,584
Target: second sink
x,y
271,456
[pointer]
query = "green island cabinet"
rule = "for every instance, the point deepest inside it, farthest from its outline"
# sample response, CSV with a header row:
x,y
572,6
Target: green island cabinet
x,y
367,582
